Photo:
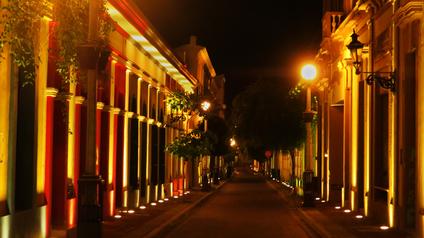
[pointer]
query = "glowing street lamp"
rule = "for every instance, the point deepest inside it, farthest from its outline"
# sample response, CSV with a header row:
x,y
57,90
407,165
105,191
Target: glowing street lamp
x,y
233,142
308,73
205,105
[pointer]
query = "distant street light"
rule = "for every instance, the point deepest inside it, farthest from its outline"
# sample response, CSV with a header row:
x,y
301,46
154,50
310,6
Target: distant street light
x,y
205,106
233,142
309,73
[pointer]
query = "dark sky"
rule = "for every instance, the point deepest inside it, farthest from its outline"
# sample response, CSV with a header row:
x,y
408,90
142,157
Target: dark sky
x,y
245,39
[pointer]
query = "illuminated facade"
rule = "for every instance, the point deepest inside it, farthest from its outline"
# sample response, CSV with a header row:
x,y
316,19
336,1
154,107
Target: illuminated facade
x,y
378,165
196,59
42,132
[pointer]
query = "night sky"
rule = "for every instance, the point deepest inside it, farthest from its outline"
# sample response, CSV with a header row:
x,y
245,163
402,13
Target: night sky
x,y
246,40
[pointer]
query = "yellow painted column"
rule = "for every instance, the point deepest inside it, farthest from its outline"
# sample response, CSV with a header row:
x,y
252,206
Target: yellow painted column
x,y
112,112
125,140
420,137
148,152
367,146
41,107
392,157
354,142
5,86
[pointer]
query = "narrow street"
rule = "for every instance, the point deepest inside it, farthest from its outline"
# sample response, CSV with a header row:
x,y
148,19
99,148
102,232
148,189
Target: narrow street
x,y
247,206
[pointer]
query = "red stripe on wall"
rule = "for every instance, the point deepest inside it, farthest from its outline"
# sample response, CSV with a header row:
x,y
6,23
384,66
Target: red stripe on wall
x,y
49,156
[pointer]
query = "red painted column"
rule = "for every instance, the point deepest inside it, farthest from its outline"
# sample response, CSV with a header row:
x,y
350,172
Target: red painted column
x,y
104,161
77,155
51,94
98,135
119,160
59,164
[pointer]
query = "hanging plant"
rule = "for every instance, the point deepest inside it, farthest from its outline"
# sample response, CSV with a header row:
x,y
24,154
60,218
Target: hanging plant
x,y
72,32
20,22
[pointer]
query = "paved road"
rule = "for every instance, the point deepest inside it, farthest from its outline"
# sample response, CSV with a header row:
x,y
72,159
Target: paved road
x,y
244,207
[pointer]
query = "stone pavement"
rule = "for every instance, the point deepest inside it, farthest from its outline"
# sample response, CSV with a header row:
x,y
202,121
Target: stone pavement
x,y
327,221
154,220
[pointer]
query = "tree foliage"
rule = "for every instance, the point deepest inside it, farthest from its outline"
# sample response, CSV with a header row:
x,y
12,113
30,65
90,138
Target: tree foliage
x,y
20,22
218,134
190,145
267,117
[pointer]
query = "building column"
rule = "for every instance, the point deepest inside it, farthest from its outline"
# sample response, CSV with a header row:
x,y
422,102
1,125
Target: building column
x,y
420,136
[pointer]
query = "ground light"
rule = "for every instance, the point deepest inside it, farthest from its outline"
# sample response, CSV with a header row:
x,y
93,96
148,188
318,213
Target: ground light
x,y
117,216
359,216
131,211
124,211
142,207
384,228
346,211
317,199
153,204
166,199
160,201
337,207
175,197
323,201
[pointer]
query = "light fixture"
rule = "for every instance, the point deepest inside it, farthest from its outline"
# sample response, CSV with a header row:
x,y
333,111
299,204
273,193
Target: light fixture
x,y
359,216
337,207
205,105
387,82
142,207
384,228
347,211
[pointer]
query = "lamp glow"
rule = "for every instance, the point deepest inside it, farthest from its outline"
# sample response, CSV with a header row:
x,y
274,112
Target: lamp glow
x,y
309,72
205,105
384,228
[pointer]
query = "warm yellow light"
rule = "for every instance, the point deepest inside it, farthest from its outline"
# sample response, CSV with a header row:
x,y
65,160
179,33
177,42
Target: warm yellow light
x,y
347,211
384,228
142,207
309,72
205,105
359,216
233,142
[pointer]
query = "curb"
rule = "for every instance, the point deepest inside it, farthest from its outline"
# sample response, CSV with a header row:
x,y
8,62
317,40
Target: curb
x,y
314,227
173,221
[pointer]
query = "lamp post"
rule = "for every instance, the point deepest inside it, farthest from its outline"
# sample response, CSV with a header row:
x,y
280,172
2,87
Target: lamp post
x,y
308,73
205,106
355,48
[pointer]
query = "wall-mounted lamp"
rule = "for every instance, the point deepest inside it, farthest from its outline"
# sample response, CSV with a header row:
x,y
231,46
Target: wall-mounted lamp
x,y
355,47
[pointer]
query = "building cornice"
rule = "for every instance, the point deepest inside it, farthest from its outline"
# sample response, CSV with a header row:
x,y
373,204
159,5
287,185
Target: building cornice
x,y
409,12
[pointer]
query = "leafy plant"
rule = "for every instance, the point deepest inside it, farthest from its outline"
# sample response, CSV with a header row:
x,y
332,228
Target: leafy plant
x,y
20,20
190,145
72,31
182,104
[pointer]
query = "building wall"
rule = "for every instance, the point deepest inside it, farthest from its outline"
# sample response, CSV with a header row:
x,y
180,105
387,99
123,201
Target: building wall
x,y
130,133
381,128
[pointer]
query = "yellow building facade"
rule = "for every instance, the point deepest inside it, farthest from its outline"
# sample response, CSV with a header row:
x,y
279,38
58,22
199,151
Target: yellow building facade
x,y
378,164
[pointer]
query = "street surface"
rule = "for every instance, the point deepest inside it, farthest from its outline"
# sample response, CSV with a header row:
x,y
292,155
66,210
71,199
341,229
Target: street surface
x,y
247,206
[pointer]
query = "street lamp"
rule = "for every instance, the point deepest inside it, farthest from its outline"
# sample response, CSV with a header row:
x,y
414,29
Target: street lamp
x,y
355,47
205,106
309,73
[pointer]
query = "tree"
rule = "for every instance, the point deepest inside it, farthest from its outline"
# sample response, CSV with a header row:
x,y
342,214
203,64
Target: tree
x,y
267,117
190,146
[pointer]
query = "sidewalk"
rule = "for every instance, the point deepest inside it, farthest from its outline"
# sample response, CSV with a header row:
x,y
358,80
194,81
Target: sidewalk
x,y
327,221
155,220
